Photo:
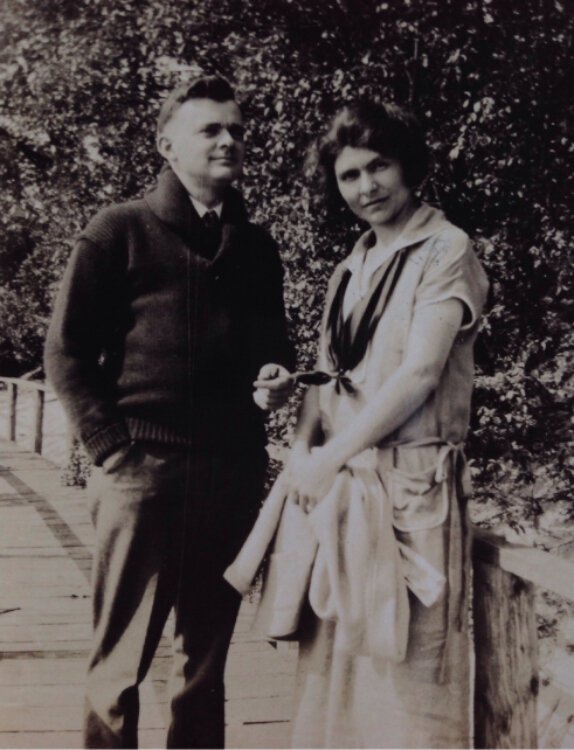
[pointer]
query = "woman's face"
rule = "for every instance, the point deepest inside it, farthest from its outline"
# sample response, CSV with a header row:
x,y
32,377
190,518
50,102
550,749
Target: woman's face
x,y
373,186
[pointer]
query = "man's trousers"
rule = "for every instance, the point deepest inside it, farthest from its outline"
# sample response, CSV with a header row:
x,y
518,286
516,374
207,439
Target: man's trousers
x,y
168,522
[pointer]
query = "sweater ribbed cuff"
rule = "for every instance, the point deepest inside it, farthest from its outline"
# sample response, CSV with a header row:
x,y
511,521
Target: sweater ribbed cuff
x,y
139,429
106,441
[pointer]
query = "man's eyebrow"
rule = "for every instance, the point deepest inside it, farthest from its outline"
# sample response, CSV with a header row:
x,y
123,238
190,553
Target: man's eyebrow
x,y
221,124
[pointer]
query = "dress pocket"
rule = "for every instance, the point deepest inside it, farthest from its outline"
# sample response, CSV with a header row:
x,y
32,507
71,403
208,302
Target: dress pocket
x,y
419,501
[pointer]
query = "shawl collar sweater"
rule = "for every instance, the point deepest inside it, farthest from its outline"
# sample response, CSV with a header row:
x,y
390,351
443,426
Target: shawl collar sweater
x,y
151,340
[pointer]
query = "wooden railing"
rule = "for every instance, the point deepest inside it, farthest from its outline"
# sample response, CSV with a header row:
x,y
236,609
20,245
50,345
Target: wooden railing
x,y
15,386
506,647
505,634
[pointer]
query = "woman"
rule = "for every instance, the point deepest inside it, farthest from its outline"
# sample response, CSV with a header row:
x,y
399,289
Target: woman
x,y
400,321
376,469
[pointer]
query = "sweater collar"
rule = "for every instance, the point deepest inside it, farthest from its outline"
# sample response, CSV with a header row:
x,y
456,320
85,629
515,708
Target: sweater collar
x,y
169,201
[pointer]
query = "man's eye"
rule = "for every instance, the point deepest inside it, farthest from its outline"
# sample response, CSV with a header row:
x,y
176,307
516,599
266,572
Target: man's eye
x,y
212,130
237,132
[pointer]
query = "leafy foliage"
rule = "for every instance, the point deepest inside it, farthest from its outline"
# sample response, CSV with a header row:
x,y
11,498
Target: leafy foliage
x,y
81,82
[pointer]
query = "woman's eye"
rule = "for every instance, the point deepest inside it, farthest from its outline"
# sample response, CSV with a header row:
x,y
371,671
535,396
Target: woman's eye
x,y
348,176
380,165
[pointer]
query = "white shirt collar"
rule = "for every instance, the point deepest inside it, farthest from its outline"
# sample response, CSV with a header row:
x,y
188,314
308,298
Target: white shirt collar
x,y
202,210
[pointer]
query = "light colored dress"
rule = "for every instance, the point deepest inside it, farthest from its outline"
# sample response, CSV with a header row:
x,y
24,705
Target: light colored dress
x,y
349,697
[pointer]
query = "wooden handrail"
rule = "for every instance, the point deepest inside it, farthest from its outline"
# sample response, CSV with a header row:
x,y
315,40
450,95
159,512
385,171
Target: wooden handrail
x,y
531,564
33,384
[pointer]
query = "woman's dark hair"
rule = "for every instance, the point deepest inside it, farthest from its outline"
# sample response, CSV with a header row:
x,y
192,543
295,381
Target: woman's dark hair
x,y
390,130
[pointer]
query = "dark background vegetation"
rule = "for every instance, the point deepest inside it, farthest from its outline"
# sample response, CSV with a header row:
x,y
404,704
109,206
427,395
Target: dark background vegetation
x,y
81,82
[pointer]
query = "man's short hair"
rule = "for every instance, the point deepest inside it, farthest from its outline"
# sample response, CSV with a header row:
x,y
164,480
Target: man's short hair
x,y
390,130
202,87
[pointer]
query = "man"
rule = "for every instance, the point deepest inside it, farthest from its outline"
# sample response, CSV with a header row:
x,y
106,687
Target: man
x,y
169,309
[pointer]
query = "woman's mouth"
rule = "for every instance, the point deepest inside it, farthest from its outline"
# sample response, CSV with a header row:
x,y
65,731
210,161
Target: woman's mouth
x,y
374,204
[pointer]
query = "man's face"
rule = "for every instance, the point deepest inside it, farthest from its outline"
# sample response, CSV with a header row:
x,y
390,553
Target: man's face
x,y
203,142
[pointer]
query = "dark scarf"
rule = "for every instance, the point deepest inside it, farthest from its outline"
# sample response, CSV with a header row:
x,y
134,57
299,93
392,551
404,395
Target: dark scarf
x,y
348,338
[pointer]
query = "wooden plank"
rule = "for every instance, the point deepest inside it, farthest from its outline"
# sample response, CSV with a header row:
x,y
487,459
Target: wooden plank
x,y
41,649
43,672
506,681
256,685
259,735
152,738
15,718
535,565
32,618
45,629
61,740
38,420
13,391
267,663
260,709
44,633
52,695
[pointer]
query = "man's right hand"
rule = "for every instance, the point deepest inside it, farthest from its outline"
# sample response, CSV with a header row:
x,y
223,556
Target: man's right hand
x,y
273,387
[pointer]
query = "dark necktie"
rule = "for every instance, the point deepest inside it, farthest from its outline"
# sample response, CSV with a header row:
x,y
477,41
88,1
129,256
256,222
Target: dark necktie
x,y
211,220
212,234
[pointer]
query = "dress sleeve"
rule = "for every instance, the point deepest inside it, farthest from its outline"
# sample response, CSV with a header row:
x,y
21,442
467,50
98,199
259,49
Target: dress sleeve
x,y
454,272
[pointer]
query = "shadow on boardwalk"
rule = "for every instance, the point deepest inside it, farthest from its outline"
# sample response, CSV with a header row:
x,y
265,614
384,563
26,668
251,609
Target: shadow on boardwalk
x,y
45,556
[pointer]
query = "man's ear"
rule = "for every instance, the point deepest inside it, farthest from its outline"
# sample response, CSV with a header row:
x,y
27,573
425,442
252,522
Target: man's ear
x,y
164,146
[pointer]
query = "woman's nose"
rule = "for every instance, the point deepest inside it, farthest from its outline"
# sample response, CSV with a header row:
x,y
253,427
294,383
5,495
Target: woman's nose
x,y
367,183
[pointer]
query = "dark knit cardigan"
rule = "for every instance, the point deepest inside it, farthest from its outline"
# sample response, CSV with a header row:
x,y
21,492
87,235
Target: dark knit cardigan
x,y
152,341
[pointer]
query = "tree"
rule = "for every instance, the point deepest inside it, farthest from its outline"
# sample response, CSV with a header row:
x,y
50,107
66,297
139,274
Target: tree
x,y
82,80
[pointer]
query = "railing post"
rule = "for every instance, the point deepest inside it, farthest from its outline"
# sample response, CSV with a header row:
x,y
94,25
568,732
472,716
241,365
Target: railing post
x,y
506,682
38,419
13,398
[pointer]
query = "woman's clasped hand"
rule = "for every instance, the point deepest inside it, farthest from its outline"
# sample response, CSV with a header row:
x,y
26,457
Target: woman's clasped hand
x,y
309,475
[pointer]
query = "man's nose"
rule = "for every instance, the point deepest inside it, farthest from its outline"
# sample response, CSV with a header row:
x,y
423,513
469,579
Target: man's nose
x,y
225,138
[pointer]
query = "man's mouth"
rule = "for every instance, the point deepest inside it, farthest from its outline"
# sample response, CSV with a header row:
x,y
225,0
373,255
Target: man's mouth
x,y
225,159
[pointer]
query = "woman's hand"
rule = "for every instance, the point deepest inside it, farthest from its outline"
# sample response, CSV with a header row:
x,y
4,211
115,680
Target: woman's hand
x,y
310,476
273,386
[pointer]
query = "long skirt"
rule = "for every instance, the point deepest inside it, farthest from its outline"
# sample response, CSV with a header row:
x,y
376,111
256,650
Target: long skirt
x,y
345,700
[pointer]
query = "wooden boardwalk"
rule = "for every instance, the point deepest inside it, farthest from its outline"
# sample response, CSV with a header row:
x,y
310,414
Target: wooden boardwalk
x,y
45,556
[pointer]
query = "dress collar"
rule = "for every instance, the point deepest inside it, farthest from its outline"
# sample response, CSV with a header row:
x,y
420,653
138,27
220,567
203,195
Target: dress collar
x,y
424,223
